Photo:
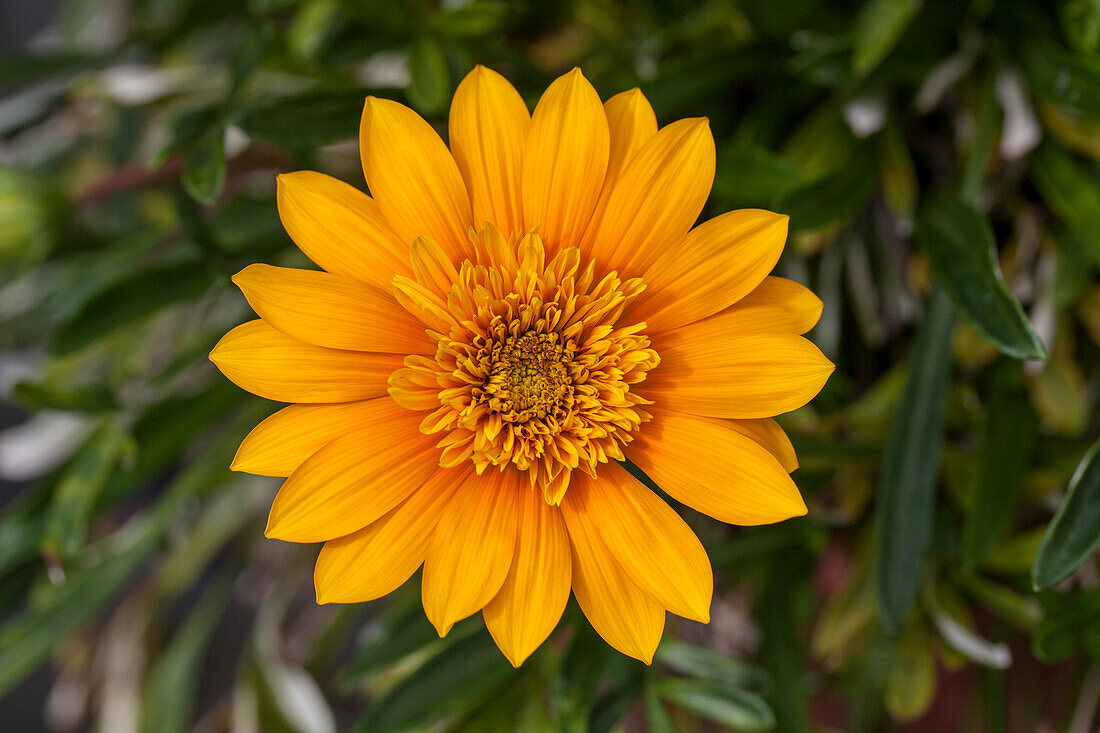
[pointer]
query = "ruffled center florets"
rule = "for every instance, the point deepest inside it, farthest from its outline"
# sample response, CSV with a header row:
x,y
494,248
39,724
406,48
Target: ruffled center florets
x,y
531,368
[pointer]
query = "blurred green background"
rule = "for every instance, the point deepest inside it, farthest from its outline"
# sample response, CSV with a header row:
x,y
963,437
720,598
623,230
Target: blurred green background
x,y
939,161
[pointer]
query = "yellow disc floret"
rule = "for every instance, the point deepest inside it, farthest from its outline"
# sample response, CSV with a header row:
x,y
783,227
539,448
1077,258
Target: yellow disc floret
x,y
531,367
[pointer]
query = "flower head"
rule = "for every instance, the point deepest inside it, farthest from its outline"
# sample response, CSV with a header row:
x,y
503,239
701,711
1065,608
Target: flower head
x,y
501,325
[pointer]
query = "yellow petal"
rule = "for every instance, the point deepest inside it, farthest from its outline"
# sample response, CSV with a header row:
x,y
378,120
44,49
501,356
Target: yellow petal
x,y
715,265
341,228
656,200
334,311
379,558
766,432
472,549
631,123
714,468
777,305
488,128
355,479
268,363
651,543
564,161
706,371
534,594
282,442
626,618
413,177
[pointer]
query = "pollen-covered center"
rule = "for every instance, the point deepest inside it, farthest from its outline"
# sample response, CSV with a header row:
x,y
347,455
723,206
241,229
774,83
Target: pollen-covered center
x,y
532,369
528,375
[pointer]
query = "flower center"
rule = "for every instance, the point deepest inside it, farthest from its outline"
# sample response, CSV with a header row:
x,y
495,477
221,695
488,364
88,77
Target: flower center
x,y
529,377
532,371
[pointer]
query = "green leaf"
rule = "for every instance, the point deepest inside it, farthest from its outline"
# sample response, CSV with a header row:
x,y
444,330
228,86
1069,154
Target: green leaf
x,y
959,244
470,20
836,196
1071,190
614,704
1074,533
911,683
28,639
430,83
305,120
1068,78
461,676
172,683
1004,456
699,662
878,27
736,708
751,175
204,167
910,465
46,395
80,485
120,303
578,679
657,719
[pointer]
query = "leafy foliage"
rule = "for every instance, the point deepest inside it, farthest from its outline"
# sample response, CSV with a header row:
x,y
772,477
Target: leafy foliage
x,y
940,162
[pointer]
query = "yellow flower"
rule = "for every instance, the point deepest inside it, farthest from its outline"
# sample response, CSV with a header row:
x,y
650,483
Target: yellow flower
x,y
493,331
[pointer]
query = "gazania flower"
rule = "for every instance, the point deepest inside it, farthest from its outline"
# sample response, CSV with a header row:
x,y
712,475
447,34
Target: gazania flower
x,y
493,333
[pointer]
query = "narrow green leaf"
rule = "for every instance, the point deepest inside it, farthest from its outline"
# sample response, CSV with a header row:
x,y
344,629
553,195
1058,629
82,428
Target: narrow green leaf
x,y
80,485
739,709
1068,78
1004,456
120,303
470,20
699,662
751,175
430,83
204,167
613,704
28,639
578,680
657,719
46,395
836,196
959,243
910,466
306,120
1074,533
455,680
1071,190
172,683
878,28
911,682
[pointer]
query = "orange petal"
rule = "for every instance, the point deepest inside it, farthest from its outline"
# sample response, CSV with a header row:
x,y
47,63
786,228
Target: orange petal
x,y
714,468
488,128
379,558
777,305
355,479
656,200
472,549
631,122
708,371
766,432
334,311
564,161
268,363
715,265
648,539
534,594
282,442
413,177
626,618
341,228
